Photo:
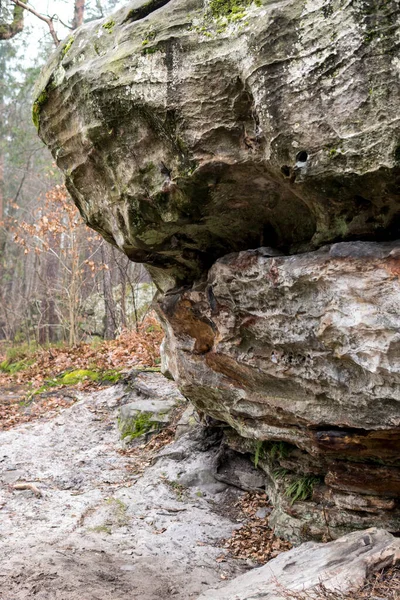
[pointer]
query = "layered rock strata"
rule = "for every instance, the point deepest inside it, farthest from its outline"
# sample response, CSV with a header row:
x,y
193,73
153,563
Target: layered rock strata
x,y
193,133
302,354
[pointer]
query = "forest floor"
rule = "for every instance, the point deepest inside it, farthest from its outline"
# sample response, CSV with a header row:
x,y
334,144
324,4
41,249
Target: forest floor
x,y
85,517
81,518
38,380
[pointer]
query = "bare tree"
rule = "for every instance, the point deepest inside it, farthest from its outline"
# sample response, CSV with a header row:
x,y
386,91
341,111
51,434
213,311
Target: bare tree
x,y
16,25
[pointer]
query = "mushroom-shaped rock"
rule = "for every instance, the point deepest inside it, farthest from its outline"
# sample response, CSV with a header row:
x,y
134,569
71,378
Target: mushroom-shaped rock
x,y
188,130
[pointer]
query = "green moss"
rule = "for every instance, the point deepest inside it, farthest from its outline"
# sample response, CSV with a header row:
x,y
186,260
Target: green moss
x,y
139,425
37,107
111,376
370,35
74,377
67,46
109,26
150,34
97,47
16,25
78,376
151,50
232,10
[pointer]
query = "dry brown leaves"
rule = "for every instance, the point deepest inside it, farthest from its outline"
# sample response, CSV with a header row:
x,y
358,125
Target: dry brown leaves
x,y
255,540
14,412
132,349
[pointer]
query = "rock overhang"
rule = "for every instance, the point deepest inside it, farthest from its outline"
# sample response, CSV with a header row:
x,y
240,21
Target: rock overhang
x,y
185,135
189,137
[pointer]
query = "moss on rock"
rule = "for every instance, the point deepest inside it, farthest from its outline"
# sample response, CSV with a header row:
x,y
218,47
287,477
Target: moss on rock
x,y
37,107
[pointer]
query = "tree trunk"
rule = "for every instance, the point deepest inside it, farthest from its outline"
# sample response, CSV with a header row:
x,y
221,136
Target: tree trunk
x,y
79,10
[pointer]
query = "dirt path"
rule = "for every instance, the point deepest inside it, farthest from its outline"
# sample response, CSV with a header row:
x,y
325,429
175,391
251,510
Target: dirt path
x,y
98,532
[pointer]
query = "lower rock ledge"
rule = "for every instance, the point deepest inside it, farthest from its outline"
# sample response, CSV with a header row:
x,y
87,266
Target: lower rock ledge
x,y
299,355
341,566
309,502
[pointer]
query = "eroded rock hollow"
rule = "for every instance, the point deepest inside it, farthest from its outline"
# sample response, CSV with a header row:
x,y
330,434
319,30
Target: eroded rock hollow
x,y
249,155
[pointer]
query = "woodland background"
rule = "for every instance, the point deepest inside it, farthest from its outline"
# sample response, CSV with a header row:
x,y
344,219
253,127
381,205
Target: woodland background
x,y
59,281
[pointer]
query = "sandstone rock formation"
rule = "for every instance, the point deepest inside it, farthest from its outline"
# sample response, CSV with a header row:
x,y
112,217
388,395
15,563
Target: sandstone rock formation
x,y
341,566
302,352
189,131
249,155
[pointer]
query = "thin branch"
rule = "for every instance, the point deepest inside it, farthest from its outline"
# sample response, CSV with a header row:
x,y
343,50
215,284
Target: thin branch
x,y
57,18
47,20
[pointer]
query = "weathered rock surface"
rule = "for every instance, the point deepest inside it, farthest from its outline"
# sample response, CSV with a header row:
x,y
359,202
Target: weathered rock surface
x,y
302,352
298,348
190,133
185,135
341,565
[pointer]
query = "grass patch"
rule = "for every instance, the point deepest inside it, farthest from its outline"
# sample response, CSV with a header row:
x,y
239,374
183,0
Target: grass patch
x,y
274,451
14,367
18,358
301,488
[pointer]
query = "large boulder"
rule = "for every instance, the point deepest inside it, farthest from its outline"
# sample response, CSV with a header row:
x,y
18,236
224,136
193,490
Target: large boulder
x,y
190,129
191,134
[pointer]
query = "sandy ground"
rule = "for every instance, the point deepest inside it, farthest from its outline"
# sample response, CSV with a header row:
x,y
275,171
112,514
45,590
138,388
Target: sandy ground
x,y
99,532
